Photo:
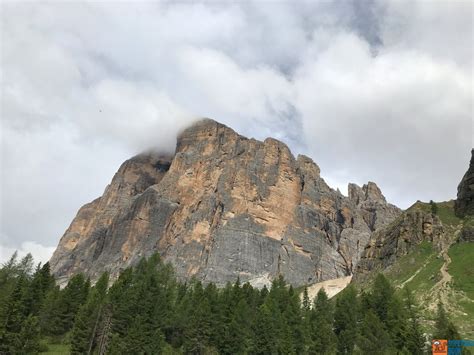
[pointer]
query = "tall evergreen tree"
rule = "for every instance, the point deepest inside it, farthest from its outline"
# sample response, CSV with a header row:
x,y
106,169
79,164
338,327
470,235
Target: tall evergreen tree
x,y
381,297
197,332
50,313
306,304
14,315
397,322
415,341
41,282
238,334
374,339
264,330
29,336
322,337
88,318
345,320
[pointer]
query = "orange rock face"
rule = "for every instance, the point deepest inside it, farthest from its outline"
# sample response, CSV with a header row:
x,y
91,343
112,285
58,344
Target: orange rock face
x,y
222,207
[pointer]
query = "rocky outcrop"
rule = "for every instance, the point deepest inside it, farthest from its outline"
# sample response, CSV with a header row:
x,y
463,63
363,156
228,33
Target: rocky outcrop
x,y
223,207
375,209
464,204
84,241
466,235
389,243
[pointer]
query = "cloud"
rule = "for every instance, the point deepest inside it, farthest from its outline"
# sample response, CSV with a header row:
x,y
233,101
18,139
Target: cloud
x,y
40,253
399,111
257,100
377,92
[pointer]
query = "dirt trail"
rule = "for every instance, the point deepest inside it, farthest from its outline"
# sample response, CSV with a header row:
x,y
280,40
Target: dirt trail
x,y
445,276
442,289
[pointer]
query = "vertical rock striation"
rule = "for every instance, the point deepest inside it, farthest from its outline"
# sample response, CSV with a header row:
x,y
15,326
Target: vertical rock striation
x,y
223,207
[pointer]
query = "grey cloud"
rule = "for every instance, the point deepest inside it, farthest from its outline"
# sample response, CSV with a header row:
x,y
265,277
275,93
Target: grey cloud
x,y
379,91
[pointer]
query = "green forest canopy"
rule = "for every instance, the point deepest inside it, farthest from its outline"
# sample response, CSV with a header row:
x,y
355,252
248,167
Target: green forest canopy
x,y
146,311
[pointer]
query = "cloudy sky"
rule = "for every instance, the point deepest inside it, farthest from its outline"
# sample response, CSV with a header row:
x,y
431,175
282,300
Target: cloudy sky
x,y
371,90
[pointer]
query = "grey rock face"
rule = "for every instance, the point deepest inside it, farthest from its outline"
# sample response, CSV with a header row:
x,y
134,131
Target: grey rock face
x,y
467,235
224,207
464,204
376,211
397,239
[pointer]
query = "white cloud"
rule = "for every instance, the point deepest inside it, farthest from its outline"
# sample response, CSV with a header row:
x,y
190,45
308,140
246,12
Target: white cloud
x,y
40,253
87,85
398,118
441,29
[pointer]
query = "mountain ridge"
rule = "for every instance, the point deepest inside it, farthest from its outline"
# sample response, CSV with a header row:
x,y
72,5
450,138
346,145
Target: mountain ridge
x,y
215,211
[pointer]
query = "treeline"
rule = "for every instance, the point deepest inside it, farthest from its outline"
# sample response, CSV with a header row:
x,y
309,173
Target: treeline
x,y
146,311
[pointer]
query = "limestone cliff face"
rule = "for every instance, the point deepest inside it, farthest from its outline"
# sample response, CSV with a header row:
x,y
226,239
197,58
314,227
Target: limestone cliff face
x,y
464,204
397,239
224,207
375,209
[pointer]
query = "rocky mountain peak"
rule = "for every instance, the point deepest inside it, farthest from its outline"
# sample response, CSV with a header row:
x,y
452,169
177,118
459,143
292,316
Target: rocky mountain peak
x,y
372,202
368,192
224,206
464,204
308,166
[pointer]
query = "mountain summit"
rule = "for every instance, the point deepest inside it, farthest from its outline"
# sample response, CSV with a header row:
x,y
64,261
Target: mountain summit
x,y
224,207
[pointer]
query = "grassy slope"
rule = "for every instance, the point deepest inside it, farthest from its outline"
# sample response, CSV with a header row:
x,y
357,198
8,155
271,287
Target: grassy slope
x,y
445,212
420,271
462,271
462,267
417,270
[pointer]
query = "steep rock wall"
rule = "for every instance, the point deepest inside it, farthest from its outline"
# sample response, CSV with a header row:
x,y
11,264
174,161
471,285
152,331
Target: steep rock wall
x,y
223,207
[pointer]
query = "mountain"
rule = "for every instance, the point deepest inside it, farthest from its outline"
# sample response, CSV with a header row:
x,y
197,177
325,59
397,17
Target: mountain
x,y
387,244
224,207
429,248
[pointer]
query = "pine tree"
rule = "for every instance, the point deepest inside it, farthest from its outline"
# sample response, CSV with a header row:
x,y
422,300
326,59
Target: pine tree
x,y
14,315
104,332
8,274
50,313
323,339
292,313
264,331
396,322
415,341
276,306
71,298
345,320
237,336
30,336
373,337
217,331
381,297
42,281
306,304
84,331
197,332
25,267
123,298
